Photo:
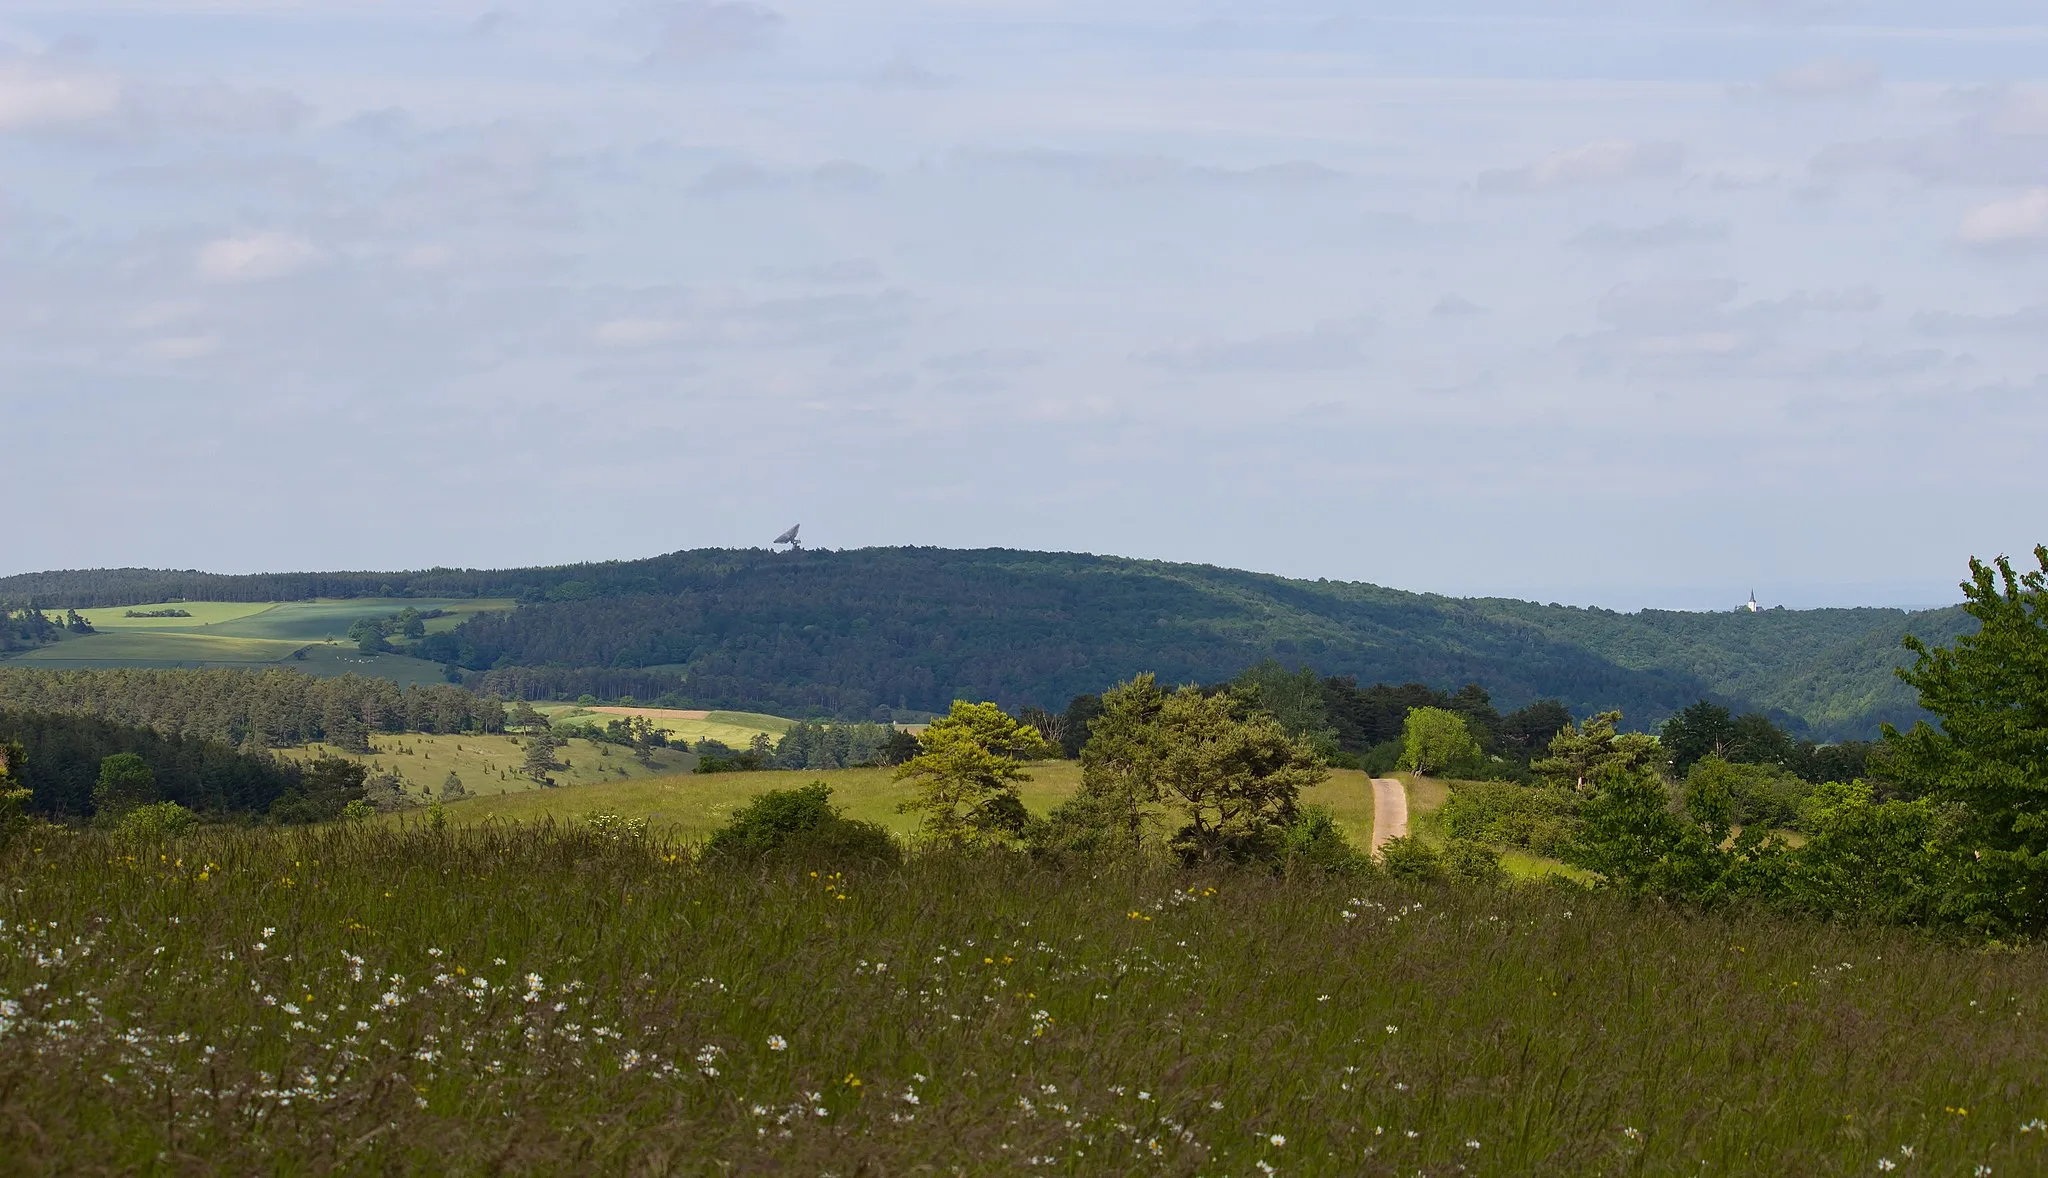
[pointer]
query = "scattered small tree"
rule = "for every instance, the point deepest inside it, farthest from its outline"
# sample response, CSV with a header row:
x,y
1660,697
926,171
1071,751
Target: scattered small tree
x,y
452,789
1433,739
966,775
1233,781
1119,791
1580,756
540,760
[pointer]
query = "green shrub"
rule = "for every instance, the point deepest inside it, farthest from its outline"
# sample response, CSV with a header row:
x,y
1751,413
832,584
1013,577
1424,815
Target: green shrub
x,y
1410,858
1540,818
615,826
1473,863
158,820
357,811
14,817
802,821
1312,842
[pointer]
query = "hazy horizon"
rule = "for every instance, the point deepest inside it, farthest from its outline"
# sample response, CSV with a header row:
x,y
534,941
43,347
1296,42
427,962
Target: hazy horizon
x,y
1615,304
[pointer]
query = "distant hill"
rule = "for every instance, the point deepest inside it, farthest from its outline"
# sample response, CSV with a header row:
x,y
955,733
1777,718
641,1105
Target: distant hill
x,y
851,632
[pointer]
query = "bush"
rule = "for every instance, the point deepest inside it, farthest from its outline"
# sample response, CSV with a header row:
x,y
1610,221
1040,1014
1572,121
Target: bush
x,y
1412,859
14,818
158,820
1537,817
357,811
804,821
1757,795
1472,863
614,826
1312,842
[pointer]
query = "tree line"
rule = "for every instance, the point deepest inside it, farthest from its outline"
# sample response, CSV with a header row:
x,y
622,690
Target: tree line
x,y
272,708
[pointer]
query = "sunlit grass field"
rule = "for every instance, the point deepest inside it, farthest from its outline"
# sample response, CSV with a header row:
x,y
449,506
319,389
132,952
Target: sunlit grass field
x,y
692,805
488,765
733,729
534,1000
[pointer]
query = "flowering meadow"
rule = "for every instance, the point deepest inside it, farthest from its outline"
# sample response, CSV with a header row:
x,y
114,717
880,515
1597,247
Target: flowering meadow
x,y
574,1000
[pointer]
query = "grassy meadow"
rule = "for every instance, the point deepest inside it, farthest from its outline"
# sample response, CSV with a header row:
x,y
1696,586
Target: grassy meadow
x,y
488,765
541,999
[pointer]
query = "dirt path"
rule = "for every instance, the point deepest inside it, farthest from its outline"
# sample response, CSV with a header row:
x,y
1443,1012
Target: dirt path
x,y
1389,811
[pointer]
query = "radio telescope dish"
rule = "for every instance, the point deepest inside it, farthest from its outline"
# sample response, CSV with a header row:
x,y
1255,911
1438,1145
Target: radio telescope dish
x,y
790,539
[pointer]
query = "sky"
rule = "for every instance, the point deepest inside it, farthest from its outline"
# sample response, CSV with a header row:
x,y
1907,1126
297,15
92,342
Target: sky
x,y
1644,303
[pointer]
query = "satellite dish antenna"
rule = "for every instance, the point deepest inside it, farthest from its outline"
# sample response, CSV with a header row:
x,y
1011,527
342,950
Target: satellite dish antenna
x,y
790,539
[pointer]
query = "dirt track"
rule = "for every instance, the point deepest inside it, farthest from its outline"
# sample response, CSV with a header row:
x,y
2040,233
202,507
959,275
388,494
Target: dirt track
x,y
1389,811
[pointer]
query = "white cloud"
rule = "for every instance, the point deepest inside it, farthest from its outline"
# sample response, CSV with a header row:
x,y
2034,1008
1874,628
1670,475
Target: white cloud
x,y
35,97
257,257
1826,78
1455,306
2019,220
1605,161
184,347
1663,235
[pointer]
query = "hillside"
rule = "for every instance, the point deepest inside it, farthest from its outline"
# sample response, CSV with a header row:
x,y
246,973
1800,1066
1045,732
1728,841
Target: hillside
x,y
852,632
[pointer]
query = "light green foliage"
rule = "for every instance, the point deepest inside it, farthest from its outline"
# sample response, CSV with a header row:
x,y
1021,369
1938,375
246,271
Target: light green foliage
x,y
1580,755
1539,817
125,782
1432,739
158,820
1745,795
358,810
1990,754
1232,781
1312,842
966,773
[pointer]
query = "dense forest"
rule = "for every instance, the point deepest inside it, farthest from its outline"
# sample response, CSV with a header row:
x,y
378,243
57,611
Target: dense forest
x,y
64,755
242,708
862,633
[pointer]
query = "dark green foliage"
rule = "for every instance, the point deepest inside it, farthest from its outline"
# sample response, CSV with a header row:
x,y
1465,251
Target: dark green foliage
x,y
323,791
804,822
1081,712
1757,795
125,782
271,708
830,746
63,757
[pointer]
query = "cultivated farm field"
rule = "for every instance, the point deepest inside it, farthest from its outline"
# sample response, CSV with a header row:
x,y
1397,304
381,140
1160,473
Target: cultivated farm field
x,y
684,727
550,999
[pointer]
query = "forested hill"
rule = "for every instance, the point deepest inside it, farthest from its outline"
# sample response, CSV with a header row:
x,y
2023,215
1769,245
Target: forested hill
x,y
849,632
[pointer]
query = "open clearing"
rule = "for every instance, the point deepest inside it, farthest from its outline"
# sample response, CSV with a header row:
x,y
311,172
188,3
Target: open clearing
x,y
489,765
732,729
694,805
250,634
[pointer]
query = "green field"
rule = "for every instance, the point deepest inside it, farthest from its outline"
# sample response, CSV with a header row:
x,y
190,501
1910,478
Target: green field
x,y
691,806
541,1000
251,634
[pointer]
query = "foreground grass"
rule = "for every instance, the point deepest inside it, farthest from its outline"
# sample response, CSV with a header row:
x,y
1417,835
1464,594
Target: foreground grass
x,y
546,1001
693,805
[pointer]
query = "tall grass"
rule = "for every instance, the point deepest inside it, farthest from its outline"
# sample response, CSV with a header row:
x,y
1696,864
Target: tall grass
x,y
557,1000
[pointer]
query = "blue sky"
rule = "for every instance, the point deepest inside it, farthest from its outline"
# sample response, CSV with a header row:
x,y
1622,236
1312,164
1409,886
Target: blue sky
x,y
1615,303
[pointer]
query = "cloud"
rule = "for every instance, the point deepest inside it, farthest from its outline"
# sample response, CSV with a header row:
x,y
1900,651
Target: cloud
x,y
1827,78
2002,141
636,333
1453,306
986,360
42,95
694,33
1127,171
1327,347
2030,322
256,257
904,73
709,321
2016,221
844,272
1663,235
35,97
1606,161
